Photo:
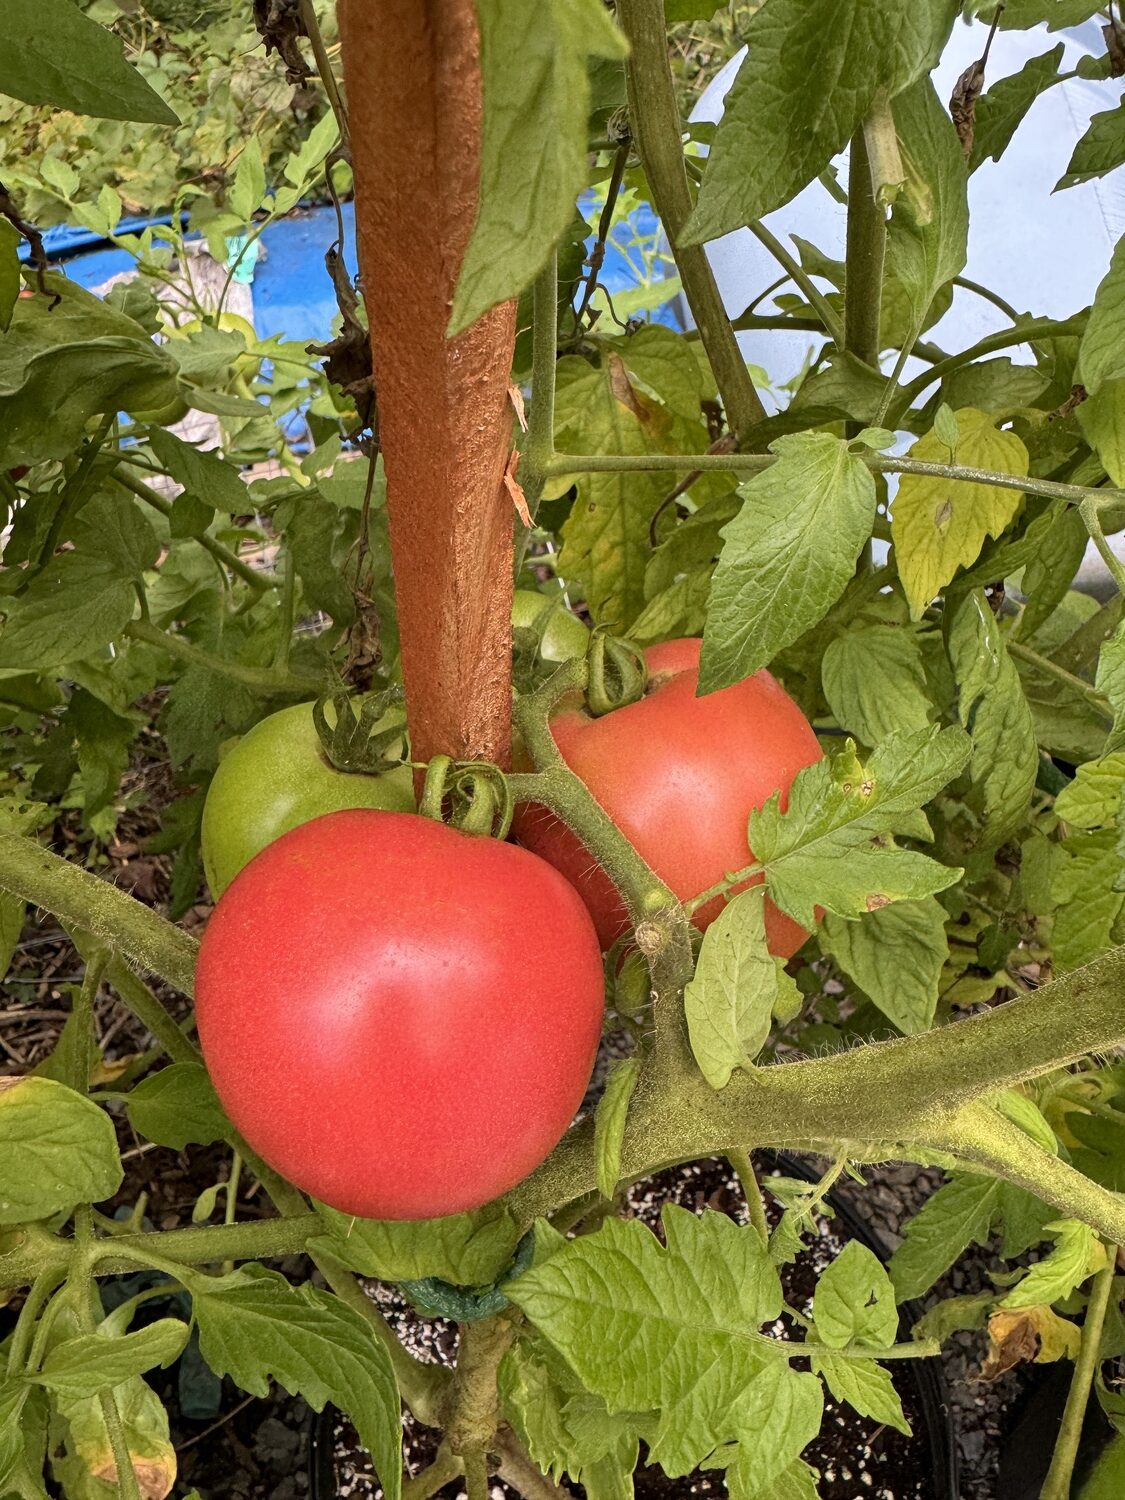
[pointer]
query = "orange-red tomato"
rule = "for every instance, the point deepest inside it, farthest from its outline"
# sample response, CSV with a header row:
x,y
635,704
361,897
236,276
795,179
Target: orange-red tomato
x,y
679,775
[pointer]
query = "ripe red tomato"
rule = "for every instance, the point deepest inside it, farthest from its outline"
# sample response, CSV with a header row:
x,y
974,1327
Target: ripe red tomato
x,y
373,1024
679,775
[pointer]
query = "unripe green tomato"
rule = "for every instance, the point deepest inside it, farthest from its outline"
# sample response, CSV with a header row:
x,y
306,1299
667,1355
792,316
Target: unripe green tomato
x,y
564,635
275,778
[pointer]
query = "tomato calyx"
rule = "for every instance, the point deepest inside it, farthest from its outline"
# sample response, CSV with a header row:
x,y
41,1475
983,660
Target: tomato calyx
x,y
363,742
617,674
473,796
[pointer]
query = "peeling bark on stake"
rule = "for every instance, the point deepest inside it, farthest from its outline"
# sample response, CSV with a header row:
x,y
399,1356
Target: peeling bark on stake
x,y
412,70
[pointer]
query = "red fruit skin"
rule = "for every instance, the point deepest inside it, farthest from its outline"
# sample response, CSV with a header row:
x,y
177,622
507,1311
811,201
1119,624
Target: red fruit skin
x,y
372,1020
679,775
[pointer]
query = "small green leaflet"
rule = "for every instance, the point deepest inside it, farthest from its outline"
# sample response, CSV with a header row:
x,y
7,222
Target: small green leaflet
x,y
787,555
610,1119
939,525
1110,680
55,55
811,74
533,147
992,707
469,1249
895,954
1102,420
177,1107
729,1003
958,1214
655,1329
854,1301
10,242
1001,107
866,1387
1020,15
92,1362
1101,355
875,681
57,1148
1100,150
204,476
1078,1253
780,1413
1093,798
254,1326
1089,916
928,236
821,851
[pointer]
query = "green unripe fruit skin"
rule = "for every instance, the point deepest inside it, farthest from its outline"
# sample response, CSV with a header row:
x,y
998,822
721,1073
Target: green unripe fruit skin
x,y
565,637
275,778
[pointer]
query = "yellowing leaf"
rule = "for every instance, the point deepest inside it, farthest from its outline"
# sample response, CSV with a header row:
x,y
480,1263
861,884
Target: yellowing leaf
x,y
1029,1333
940,525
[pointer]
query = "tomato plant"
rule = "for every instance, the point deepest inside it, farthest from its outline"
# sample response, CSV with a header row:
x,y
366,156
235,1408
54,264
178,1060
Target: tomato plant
x,y
276,777
369,1021
679,775
891,534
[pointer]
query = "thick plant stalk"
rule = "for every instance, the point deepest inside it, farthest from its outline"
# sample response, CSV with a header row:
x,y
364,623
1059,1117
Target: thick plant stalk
x,y
413,79
1057,1484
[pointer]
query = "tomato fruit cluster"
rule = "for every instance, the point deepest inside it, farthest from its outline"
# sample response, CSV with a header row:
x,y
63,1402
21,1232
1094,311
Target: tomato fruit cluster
x,y
372,1024
679,776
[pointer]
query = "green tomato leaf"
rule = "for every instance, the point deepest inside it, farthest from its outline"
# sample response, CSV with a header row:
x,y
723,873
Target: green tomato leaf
x,y
57,1149
1099,151
55,55
60,366
1093,798
1078,1253
729,1003
249,181
177,1107
875,682
609,1123
895,954
1088,904
92,1362
958,1215
939,525
797,1482
1101,355
820,850
992,706
1102,420
1110,680
812,71
1021,15
854,1301
928,236
866,1387
1001,107
648,1328
787,555
533,146
10,241
469,1249
13,1395
87,1464
255,1327
780,1415
13,910
203,475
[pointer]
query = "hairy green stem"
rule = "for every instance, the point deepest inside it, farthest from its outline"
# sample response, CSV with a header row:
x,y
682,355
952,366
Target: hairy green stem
x,y
1057,1484
42,1289
658,131
1088,509
82,900
221,554
829,322
446,1466
866,247
260,680
540,443
324,68
988,295
752,1192
1034,329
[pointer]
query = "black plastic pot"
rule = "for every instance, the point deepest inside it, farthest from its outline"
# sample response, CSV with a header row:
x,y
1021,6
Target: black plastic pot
x,y
925,1376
